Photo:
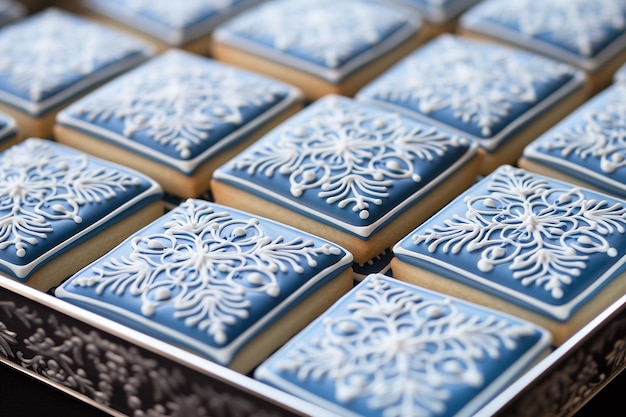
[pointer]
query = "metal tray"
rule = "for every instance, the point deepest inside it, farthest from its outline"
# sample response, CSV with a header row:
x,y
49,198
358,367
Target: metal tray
x,y
124,372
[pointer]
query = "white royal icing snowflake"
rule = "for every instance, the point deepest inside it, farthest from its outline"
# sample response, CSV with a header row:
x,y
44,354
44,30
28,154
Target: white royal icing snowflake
x,y
178,99
204,265
349,155
402,353
479,83
40,186
578,24
53,50
601,134
176,14
544,234
329,32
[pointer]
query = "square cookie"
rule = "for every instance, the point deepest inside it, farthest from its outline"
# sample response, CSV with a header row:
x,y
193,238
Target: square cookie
x,y
9,134
217,281
588,147
500,97
61,209
351,173
391,349
541,249
177,118
50,58
321,46
590,34
183,24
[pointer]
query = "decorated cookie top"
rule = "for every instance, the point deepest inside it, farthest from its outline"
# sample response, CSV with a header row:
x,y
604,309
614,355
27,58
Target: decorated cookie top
x,y
539,243
206,277
485,91
586,33
51,57
439,11
8,127
391,349
175,23
10,10
590,144
52,198
180,109
326,38
347,164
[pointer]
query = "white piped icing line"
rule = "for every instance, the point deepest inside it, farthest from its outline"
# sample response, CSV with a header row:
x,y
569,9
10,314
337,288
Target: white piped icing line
x,y
202,270
390,349
178,101
345,154
326,38
42,57
476,84
575,30
44,186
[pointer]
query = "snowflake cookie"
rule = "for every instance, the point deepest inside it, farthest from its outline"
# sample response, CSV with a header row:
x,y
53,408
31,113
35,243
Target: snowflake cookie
x,y
321,46
588,147
493,94
176,118
352,173
542,249
60,209
590,34
175,23
50,58
389,349
217,281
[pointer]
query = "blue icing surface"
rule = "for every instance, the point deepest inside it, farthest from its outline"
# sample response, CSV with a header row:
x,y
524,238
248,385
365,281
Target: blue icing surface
x,y
583,28
389,346
178,107
326,33
516,232
339,160
50,193
206,277
481,89
440,11
44,58
589,144
173,22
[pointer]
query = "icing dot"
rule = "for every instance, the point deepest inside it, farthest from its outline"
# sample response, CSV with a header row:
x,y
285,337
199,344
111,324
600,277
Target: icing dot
x,y
78,219
585,240
62,166
379,124
499,252
59,208
485,266
185,153
489,202
296,191
453,367
239,232
364,214
155,244
162,294
416,178
255,278
219,111
346,327
393,165
21,252
273,291
147,309
435,312
612,252
309,175
299,132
